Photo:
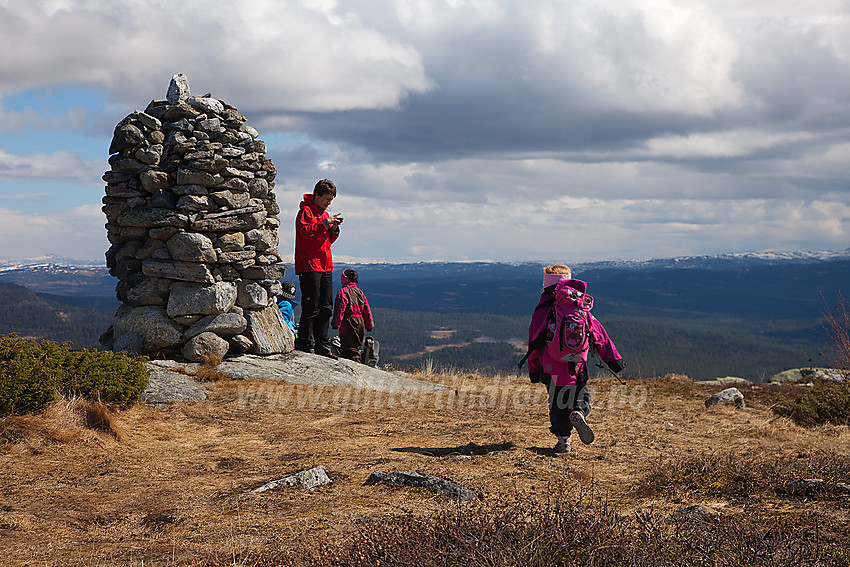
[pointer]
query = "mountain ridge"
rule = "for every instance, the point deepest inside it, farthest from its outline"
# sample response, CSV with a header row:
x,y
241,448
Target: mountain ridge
x,y
57,263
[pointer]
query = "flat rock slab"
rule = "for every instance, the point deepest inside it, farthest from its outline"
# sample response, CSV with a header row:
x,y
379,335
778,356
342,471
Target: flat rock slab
x,y
806,375
725,381
167,386
419,480
303,368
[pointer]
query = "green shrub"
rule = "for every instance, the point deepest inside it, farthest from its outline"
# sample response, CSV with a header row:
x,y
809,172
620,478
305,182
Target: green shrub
x,y
111,377
30,374
824,403
33,372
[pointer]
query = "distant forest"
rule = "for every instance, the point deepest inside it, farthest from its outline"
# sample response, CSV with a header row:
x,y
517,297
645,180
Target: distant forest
x,y
651,347
76,320
748,320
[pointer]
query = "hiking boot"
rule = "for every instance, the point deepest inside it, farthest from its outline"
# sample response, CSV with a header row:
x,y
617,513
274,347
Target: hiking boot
x,y
564,445
329,354
585,433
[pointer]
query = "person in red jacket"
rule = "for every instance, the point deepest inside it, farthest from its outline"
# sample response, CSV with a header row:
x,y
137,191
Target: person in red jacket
x,y
352,316
315,231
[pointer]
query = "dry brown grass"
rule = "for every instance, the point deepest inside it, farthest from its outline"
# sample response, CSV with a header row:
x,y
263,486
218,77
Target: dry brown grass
x,y
206,371
172,491
66,420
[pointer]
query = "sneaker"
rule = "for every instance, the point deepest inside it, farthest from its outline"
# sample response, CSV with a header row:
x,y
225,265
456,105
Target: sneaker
x,y
564,445
585,433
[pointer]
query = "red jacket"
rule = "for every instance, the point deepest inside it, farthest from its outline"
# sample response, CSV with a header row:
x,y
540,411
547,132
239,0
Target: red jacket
x,y
313,238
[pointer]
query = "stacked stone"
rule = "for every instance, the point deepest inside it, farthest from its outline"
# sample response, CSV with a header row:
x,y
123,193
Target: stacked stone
x,y
192,219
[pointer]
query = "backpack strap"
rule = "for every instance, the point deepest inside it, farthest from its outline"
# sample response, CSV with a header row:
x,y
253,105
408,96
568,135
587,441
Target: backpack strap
x,y
539,341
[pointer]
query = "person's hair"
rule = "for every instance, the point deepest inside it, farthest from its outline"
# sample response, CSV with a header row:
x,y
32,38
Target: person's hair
x,y
351,275
557,269
324,187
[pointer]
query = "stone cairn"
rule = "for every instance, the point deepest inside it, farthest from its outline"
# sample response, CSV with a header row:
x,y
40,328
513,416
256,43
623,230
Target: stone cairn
x,y
192,219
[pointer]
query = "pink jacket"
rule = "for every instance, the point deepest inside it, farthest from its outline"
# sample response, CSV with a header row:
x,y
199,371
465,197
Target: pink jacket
x,y
539,361
351,302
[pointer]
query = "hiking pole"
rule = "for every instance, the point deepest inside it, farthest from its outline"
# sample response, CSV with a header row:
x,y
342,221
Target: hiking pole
x,y
620,380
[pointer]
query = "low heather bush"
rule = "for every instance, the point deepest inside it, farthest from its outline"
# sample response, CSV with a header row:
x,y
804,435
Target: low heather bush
x,y
576,529
827,402
32,373
730,475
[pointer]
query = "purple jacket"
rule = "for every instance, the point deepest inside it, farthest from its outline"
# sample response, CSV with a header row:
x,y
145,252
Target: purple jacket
x,y
539,361
350,302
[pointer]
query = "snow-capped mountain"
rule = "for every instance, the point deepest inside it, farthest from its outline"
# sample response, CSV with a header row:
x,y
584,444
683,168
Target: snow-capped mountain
x,y
723,261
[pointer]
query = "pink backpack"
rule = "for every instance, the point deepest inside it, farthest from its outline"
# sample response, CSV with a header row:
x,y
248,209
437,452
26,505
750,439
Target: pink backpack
x,y
567,327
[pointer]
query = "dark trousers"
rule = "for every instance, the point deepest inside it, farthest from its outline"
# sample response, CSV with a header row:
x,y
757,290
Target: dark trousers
x,y
317,306
563,400
351,335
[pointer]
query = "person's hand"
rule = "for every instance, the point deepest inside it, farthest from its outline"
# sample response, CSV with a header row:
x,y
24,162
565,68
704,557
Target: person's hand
x,y
336,219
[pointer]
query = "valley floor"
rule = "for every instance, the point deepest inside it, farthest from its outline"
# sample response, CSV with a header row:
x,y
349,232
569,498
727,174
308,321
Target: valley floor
x,y
171,490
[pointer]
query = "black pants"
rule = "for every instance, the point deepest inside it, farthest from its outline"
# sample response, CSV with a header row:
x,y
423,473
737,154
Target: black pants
x,y
563,400
317,306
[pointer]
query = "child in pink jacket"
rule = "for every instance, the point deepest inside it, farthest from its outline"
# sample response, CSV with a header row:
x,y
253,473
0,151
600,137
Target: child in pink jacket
x,y
569,400
352,316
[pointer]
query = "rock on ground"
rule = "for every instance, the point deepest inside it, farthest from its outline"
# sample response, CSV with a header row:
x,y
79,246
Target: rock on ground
x,y
729,395
298,367
725,381
418,480
309,479
807,375
171,381
167,386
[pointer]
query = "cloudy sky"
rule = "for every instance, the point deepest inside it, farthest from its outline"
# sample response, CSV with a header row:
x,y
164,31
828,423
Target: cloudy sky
x,y
507,130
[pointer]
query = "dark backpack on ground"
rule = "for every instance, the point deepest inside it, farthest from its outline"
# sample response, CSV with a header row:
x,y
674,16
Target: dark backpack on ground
x,y
369,353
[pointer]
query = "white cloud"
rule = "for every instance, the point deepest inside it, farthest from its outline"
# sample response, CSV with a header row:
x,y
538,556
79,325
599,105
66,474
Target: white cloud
x,y
76,233
61,166
734,143
629,55
31,119
461,129
281,55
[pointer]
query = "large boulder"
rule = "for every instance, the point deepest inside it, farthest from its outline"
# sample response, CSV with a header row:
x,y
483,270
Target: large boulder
x,y
223,324
175,270
144,291
178,89
206,346
199,299
269,331
152,324
191,247
251,295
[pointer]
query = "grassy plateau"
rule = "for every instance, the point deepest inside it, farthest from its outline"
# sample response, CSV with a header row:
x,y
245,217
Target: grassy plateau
x,y
667,481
